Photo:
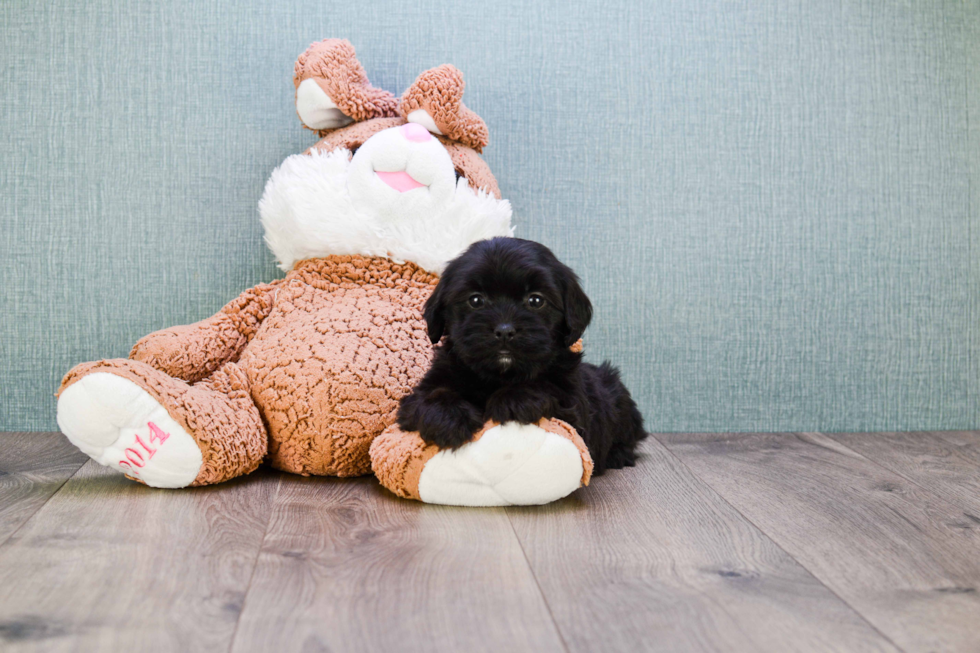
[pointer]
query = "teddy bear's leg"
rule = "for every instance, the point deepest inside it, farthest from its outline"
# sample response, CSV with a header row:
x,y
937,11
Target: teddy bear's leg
x,y
504,464
160,430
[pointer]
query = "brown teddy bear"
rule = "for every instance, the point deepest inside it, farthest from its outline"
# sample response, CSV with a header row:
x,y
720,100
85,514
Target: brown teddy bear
x,y
307,371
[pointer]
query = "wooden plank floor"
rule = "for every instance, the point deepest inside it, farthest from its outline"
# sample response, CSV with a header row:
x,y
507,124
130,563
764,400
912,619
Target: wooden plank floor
x,y
717,542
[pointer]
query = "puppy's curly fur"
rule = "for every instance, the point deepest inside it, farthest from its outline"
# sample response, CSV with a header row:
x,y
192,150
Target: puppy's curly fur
x,y
509,311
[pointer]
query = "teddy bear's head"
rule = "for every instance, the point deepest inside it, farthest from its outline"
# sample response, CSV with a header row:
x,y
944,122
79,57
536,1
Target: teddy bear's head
x,y
400,178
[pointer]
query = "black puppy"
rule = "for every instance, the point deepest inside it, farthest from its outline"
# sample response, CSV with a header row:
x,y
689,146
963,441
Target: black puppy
x,y
510,311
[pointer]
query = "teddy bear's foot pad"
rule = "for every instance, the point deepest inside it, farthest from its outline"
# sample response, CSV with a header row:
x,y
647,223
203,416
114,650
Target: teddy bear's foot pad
x,y
120,425
511,464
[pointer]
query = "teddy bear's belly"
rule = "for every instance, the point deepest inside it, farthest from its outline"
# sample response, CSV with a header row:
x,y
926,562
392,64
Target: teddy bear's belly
x,y
328,368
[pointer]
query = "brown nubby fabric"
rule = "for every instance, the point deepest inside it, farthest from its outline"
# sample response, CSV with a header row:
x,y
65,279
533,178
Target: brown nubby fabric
x,y
218,413
341,342
333,64
194,351
344,343
398,457
397,460
353,136
467,162
439,91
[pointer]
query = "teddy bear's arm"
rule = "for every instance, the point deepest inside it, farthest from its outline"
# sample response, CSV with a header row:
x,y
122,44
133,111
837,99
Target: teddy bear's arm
x,y
508,464
194,351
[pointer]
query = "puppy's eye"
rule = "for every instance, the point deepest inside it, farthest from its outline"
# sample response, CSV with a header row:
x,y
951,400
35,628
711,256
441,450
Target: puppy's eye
x,y
475,301
534,300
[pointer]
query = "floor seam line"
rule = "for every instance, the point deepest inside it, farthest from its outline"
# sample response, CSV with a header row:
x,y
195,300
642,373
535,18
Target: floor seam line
x,y
778,545
255,563
534,576
41,507
914,482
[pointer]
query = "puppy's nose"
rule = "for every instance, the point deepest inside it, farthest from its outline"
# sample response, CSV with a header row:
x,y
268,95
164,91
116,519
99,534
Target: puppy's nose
x,y
505,332
416,133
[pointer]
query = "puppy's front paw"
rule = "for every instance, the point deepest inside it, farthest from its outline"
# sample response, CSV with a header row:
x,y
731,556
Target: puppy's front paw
x,y
451,429
516,404
447,421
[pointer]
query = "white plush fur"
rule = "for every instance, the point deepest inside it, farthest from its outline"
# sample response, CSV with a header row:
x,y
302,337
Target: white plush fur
x,y
329,203
422,117
426,161
316,109
103,415
511,465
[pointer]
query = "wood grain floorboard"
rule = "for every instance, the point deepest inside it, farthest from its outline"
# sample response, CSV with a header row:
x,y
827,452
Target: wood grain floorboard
x,y
907,560
944,463
346,566
650,558
111,565
32,468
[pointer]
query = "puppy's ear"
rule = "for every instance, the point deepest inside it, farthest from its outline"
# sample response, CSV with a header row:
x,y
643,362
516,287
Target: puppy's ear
x,y
578,308
435,311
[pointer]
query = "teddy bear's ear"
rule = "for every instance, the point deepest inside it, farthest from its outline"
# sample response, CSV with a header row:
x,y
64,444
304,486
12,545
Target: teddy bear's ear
x,y
435,101
332,89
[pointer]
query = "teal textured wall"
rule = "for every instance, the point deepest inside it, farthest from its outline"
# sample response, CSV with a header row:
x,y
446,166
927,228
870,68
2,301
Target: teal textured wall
x,y
774,205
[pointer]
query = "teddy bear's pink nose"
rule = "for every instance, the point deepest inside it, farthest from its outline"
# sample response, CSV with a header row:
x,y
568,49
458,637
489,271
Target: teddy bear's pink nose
x,y
416,133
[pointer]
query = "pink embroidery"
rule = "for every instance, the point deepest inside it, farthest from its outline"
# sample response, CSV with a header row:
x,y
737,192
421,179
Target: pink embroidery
x,y
132,470
144,445
157,434
139,457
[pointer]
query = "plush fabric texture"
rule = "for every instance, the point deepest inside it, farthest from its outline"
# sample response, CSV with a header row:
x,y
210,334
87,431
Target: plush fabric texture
x,y
512,464
192,352
439,92
342,340
315,108
343,344
398,459
117,423
408,153
468,163
428,234
217,412
353,136
292,209
334,65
